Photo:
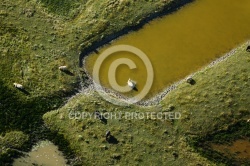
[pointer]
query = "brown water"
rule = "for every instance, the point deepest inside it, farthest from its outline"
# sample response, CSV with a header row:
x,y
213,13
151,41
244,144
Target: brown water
x,y
240,149
180,43
44,153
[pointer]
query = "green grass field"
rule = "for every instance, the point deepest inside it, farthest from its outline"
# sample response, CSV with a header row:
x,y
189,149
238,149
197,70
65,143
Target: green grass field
x,y
219,99
37,36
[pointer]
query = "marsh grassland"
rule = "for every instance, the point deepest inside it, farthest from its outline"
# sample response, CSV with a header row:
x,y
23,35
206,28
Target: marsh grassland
x,y
210,111
37,36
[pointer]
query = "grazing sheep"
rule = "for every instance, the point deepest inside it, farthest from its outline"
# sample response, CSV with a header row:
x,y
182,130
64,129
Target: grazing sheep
x,y
63,68
190,80
98,115
108,134
18,86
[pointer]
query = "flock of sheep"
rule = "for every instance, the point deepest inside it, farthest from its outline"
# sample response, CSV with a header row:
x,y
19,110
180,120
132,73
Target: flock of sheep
x,y
21,87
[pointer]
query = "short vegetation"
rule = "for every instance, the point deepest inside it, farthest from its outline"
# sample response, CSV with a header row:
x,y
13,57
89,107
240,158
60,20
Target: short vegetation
x,y
38,36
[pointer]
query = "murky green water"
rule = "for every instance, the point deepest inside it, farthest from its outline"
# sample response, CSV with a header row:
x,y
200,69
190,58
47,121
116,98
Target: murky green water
x,y
44,153
180,43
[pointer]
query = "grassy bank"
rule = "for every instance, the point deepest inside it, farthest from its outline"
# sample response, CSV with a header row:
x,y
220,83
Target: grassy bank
x,y
36,37
225,138
10,143
218,100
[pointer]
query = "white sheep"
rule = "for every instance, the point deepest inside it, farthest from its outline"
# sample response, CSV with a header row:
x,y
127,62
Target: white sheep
x,y
63,68
18,86
131,83
189,78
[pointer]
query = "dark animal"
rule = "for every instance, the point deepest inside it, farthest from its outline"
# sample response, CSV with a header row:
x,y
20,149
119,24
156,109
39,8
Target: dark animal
x,y
98,115
107,135
248,49
190,80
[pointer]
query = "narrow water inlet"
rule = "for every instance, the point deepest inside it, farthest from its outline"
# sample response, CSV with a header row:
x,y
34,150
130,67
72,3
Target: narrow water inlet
x,y
43,153
179,44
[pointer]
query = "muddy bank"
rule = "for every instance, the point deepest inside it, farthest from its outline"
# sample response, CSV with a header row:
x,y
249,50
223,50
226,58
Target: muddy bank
x,y
225,146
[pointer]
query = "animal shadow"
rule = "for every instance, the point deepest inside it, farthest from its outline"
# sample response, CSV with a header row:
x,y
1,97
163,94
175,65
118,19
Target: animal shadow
x,y
68,72
104,120
192,82
112,140
135,89
24,91
98,115
248,49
